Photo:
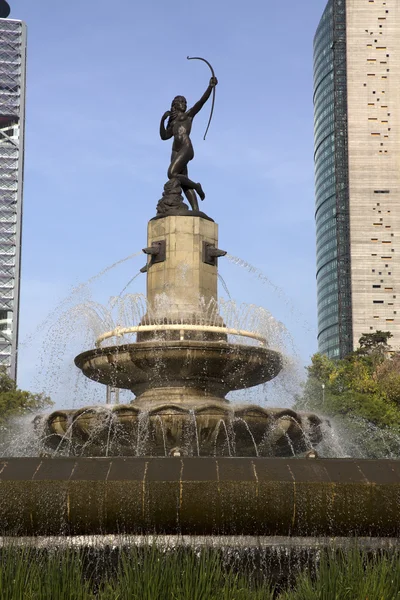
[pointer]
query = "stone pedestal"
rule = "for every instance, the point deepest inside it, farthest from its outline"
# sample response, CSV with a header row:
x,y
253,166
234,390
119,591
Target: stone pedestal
x,y
182,279
182,287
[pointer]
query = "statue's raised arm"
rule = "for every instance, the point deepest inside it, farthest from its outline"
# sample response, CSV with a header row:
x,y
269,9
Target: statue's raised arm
x,y
214,80
178,127
199,105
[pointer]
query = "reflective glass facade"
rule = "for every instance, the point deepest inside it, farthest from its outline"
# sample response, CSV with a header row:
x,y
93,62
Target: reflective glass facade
x,y
331,183
12,120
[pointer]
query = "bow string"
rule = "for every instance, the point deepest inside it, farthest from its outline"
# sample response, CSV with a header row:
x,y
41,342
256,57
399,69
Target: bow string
x,y
213,98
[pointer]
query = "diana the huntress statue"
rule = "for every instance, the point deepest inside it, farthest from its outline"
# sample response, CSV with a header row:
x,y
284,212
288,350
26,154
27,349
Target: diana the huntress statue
x,y
179,127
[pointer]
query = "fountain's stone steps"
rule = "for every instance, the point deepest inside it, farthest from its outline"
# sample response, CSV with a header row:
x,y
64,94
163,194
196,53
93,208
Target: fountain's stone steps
x,y
208,429
200,496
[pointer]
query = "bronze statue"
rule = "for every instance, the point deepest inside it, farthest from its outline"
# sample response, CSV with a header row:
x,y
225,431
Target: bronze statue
x,y
179,127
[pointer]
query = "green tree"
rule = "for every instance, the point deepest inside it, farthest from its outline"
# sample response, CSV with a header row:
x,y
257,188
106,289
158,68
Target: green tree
x,y
374,342
15,402
360,392
321,368
388,378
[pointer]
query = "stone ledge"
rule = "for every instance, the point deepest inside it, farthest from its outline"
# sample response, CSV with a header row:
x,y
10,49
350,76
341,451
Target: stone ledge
x,y
200,496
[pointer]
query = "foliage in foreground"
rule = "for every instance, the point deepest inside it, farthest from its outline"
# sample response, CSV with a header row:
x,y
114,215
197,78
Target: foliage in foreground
x,y
15,402
361,392
353,576
140,574
182,574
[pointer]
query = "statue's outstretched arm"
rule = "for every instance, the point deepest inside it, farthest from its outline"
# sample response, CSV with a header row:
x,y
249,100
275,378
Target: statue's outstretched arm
x,y
199,105
165,133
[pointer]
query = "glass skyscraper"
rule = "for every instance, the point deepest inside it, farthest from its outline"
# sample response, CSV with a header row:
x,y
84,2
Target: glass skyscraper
x,y
12,121
357,183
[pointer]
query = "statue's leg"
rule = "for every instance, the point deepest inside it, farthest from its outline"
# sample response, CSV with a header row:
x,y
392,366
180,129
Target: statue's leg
x,y
189,192
178,169
191,197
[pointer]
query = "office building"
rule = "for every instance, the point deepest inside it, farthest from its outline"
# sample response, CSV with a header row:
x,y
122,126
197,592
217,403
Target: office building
x,y
357,172
12,120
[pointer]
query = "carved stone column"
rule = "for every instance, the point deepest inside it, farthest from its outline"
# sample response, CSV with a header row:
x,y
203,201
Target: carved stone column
x,y
182,277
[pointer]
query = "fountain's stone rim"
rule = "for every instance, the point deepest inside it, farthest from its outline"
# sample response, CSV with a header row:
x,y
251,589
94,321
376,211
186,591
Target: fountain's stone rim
x,y
216,366
230,409
200,496
155,345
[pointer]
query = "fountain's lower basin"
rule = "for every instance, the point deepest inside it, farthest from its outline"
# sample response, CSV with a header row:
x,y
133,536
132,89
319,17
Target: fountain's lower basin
x,y
181,407
212,429
200,496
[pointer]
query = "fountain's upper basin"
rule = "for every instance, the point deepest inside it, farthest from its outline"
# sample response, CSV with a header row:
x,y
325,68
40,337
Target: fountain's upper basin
x,y
214,367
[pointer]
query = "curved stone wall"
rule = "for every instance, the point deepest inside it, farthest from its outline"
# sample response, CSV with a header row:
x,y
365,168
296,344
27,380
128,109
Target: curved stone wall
x,y
200,496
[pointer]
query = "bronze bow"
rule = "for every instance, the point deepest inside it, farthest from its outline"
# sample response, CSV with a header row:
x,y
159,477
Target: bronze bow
x,y
213,98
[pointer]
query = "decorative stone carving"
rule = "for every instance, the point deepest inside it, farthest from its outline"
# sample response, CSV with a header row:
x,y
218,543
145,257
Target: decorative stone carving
x,y
172,202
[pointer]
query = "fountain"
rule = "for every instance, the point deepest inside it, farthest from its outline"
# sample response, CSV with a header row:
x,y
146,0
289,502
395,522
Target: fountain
x,y
181,458
182,364
181,367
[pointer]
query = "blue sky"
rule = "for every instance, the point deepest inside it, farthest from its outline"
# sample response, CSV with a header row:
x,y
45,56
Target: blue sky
x,y
100,75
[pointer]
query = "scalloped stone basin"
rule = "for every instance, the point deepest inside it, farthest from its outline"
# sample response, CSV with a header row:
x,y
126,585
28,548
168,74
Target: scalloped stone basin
x,y
212,368
210,430
181,408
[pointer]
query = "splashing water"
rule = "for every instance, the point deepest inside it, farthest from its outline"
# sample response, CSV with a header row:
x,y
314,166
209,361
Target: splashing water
x,y
196,431
222,424
240,420
78,328
129,283
68,330
80,290
223,283
265,280
358,438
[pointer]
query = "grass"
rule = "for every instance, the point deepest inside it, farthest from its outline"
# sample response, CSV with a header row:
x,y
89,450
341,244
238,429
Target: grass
x,y
26,574
350,576
180,575
149,573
